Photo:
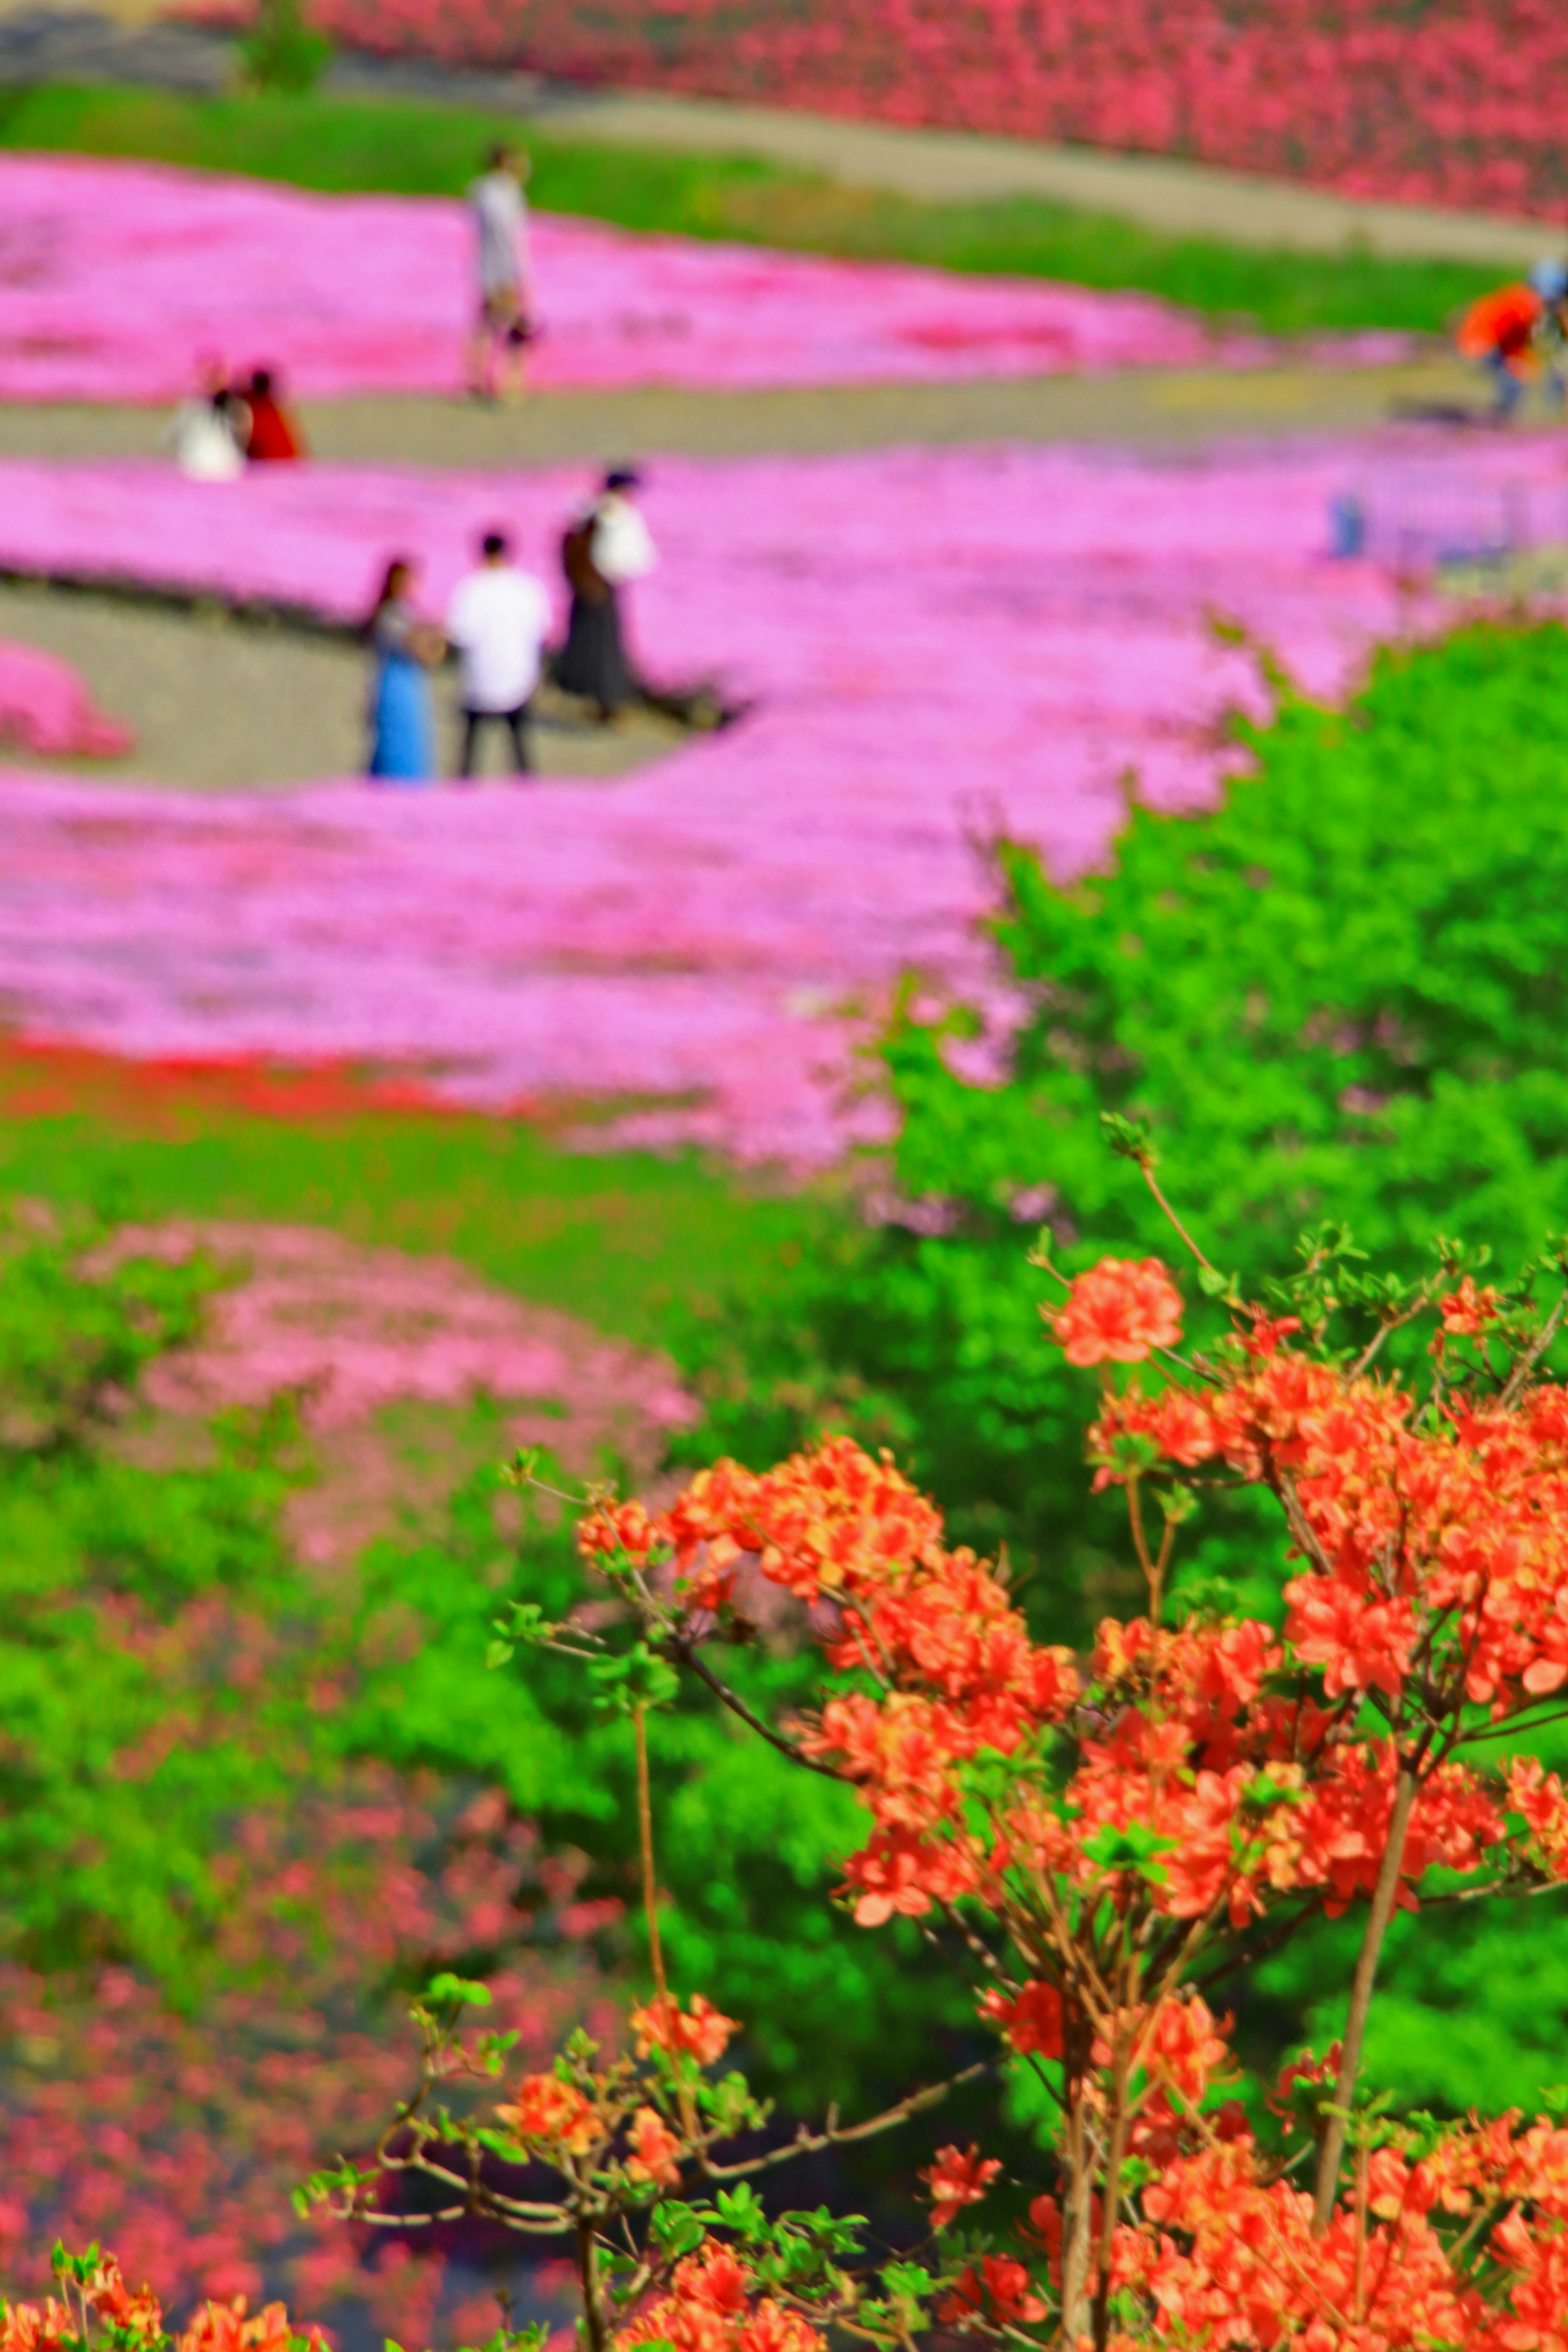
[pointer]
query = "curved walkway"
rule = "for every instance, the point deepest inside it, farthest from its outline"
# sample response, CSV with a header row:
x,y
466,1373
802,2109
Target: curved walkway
x,y
1142,405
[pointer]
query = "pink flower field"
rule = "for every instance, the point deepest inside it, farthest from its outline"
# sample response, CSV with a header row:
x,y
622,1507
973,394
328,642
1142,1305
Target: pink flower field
x,y
933,646
44,708
1445,101
116,279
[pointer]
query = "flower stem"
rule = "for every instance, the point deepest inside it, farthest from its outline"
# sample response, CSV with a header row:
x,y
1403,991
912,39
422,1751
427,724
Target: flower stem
x,y
1378,1918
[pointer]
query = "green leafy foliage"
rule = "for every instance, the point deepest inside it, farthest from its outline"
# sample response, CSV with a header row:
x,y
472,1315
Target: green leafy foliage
x,y
282,51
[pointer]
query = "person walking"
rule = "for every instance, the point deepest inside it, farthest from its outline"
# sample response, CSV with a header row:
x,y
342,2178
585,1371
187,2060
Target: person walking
x,y
499,620
406,649
608,545
504,328
1517,329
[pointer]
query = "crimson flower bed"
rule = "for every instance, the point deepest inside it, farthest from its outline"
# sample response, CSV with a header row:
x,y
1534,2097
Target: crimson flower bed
x,y
1448,101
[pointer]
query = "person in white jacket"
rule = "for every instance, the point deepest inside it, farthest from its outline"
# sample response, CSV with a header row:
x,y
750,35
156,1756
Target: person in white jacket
x,y
607,545
498,621
208,431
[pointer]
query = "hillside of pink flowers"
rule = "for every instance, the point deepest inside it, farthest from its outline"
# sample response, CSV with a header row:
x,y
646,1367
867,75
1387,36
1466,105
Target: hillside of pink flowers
x,y
116,279
1435,101
931,645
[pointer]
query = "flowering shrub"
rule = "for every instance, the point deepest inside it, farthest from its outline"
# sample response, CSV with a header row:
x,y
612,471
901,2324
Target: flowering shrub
x,y
1102,1845
1453,104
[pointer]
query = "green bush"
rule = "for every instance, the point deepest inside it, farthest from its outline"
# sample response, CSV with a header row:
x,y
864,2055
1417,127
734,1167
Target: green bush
x,y
282,52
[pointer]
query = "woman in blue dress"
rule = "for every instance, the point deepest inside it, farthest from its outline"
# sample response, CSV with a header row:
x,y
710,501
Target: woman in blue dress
x,y
406,648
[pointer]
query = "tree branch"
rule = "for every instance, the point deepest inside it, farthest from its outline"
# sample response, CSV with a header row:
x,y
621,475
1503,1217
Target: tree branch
x,y
810,2143
682,1653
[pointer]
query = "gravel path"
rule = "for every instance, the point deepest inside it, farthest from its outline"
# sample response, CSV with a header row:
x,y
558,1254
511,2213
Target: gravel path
x,y
556,428
218,703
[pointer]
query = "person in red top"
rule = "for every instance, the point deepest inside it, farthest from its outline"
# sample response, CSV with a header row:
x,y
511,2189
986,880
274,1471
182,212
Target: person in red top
x,y
272,436
1517,328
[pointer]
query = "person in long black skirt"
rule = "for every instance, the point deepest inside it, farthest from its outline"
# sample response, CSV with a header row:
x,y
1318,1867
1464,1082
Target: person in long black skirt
x,y
605,547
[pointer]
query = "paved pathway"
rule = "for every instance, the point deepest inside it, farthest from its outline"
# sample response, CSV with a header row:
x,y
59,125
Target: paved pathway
x,y
39,43
557,428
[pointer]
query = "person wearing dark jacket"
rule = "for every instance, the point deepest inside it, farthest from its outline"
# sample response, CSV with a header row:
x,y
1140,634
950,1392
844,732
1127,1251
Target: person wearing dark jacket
x,y
608,544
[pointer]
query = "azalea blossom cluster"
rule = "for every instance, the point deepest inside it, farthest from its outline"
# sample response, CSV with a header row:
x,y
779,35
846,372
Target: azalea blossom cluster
x,y
628,2136
712,2306
1224,2251
1093,1830
99,2306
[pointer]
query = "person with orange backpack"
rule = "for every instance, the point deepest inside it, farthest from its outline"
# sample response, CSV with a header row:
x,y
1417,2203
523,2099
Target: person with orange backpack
x,y
1520,329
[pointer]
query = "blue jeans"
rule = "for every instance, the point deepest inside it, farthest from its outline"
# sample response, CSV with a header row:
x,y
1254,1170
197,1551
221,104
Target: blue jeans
x,y
1509,388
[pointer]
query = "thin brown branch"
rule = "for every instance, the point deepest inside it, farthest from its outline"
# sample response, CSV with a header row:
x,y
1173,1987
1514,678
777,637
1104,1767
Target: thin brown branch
x,y
809,2143
1153,1183
1532,1355
681,1652
650,1912
1378,1917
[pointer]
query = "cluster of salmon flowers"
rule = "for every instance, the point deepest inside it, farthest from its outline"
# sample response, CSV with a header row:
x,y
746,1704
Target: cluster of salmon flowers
x,y
1090,1827
1433,1538
1118,1313
98,2300
1228,2252
712,2305
584,2118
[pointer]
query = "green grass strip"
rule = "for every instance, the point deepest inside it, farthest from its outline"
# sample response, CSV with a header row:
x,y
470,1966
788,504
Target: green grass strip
x,y
635,1243
409,147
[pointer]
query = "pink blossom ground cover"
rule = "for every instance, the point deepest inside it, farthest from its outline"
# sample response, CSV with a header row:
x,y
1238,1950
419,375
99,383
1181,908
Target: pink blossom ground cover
x,y
934,645
116,279
351,1330
1445,101
44,706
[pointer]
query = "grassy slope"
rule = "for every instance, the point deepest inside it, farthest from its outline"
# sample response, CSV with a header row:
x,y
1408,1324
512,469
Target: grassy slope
x,y
627,1239
411,148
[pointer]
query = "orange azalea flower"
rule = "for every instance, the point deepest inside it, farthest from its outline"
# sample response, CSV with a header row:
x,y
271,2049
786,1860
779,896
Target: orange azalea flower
x,y
654,2150
960,2177
1118,1313
1468,1311
1032,2023
551,2114
702,2030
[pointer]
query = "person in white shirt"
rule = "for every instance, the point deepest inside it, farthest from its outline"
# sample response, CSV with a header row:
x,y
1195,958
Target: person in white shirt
x,y
499,620
608,545
504,328
208,431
